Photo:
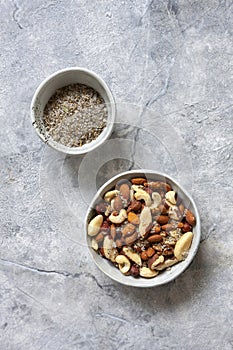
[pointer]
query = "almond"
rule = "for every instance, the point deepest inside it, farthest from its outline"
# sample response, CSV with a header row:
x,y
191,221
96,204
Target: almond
x,y
168,227
131,239
162,219
158,185
133,218
155,239
113,231
128,229
101,207
117,203
138,181
125,191
190,218
135,206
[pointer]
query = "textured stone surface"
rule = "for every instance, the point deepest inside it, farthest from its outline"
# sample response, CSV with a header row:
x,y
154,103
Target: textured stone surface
x,y
169,65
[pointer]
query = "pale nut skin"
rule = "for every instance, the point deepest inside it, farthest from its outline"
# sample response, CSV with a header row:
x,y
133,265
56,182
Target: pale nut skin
x,y
118,219
94,225
110,195
141,194
170,198
110,253
147,273
145,220
123,263
135,257
182,246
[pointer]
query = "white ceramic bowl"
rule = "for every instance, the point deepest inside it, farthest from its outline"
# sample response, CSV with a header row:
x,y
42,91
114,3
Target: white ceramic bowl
x,y
165,276
63,78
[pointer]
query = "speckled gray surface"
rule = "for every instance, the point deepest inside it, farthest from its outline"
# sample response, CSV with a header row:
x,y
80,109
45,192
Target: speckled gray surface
x,y
169,65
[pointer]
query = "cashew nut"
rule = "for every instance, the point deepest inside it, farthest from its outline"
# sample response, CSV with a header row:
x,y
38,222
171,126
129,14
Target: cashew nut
x,y
110,195
123,262
137,187
108,210
147,273
170,198
110,252
141,194
157,199
94,244
182,246
145,220
167,263
135,257
118,219
94,225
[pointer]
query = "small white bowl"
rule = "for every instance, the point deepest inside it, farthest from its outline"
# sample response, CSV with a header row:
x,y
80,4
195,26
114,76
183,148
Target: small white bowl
x,y
63,78
165,276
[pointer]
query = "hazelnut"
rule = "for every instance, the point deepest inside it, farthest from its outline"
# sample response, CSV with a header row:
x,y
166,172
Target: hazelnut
x,y
186,227
134,270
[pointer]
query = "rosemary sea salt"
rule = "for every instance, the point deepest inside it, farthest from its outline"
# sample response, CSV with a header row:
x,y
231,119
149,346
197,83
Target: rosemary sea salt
x,y
75,115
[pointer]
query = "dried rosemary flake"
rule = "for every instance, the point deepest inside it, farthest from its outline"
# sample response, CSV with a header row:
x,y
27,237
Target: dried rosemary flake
x,y
75,115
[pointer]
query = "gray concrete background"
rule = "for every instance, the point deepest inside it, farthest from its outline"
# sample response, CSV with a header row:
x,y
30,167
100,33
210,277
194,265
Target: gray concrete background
x,y
169,65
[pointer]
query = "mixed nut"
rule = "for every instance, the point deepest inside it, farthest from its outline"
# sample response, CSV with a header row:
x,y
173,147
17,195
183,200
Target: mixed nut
x,y
142,227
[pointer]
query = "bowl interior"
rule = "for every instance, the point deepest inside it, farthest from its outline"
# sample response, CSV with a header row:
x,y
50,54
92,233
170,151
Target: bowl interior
x,y
63,78
166,276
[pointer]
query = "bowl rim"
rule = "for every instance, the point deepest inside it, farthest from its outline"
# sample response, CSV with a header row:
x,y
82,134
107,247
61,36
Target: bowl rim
x,y
150,282
88,147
